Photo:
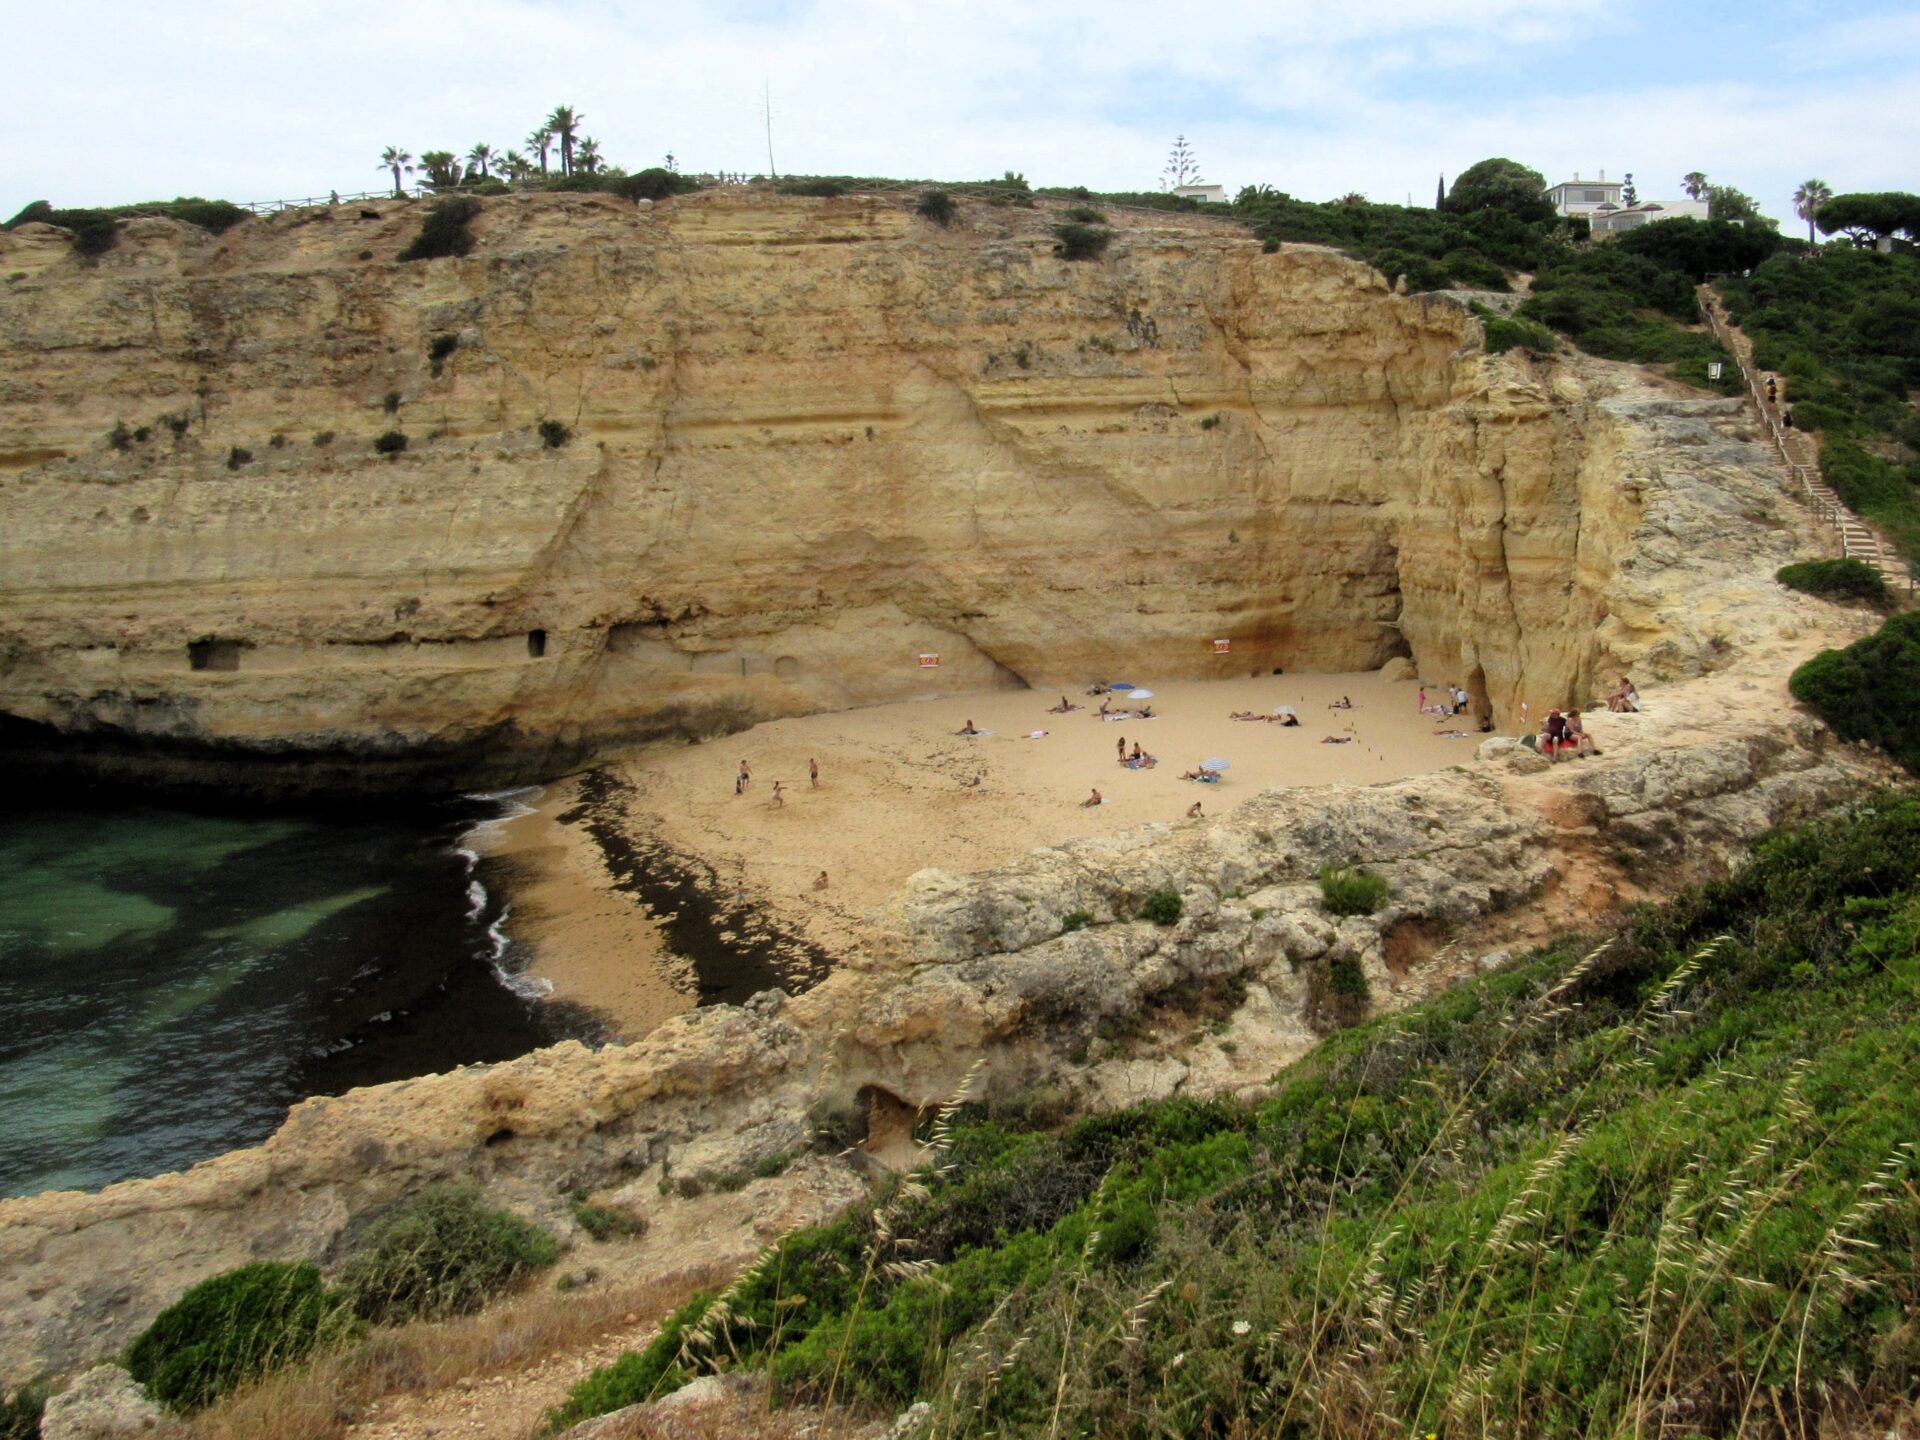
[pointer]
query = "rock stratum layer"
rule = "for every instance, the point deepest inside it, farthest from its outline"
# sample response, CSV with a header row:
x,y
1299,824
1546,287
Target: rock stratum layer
x,y
810,441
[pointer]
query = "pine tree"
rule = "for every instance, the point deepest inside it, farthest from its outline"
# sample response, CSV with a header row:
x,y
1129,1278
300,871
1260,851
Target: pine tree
x,y
1182,168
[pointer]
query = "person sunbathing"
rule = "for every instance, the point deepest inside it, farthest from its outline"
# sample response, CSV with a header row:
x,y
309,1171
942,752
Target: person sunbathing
x,y
968,729
1343,703
1065,707
1244,715
1336,739
1146,712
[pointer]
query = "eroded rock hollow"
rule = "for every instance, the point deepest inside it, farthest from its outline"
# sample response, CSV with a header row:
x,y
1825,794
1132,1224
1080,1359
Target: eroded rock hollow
x,y
805,443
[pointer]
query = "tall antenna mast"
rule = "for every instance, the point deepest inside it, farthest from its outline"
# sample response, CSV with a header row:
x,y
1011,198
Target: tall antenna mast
x,y
773,171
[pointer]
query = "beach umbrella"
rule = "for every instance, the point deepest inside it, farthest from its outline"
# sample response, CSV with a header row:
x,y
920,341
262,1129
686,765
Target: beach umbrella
x,y
1140,695
1285,710
1213,765
1120,685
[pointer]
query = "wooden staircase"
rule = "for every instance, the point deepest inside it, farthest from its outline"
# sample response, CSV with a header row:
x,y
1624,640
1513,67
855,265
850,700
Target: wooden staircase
x,y
1799,453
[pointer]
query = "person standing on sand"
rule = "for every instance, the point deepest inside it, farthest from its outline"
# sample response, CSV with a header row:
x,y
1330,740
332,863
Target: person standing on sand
x,y
1121,747
813,774
1423,699
746,774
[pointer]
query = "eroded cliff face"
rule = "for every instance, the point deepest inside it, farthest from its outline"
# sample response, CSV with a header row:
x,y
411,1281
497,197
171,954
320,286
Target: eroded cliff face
x,y
811,440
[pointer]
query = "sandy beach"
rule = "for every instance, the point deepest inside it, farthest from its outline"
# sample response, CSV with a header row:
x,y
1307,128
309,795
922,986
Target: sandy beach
x,y
900,791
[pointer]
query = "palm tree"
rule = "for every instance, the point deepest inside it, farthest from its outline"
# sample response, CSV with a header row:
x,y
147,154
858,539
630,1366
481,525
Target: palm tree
x,y
538,142
395,159
516,165
1807,201
588,160
1695,184
442,167
479,157
565,124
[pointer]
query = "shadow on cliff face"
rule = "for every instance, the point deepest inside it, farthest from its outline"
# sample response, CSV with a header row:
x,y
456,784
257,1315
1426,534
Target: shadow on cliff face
x,y
734,950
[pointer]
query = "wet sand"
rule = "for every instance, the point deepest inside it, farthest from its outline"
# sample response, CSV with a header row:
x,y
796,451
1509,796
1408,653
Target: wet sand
x,y
900,791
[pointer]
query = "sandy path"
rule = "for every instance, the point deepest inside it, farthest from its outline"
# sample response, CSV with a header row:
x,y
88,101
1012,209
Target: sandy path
x,y
900,791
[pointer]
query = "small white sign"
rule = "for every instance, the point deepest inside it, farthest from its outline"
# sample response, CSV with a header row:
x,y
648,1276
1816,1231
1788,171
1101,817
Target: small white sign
x,y
1713,369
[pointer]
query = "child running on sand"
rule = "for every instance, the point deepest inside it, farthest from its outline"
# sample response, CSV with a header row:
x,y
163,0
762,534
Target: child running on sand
x,y
778,798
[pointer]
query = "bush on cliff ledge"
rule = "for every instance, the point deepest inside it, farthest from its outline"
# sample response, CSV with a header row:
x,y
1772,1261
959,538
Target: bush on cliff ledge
x,y
444,1254
1836,580
230,1329
1870,690
445,232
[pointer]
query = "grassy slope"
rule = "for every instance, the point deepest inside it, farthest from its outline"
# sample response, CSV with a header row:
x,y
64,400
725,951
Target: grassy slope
x,y
1672,1180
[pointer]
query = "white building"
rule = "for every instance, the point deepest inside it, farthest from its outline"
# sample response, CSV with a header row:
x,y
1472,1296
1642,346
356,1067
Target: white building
x,y
1630,217
1585,197
1210,194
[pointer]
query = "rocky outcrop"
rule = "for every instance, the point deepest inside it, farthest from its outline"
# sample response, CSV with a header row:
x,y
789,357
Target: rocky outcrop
x,y
104,1403
809,441
982,968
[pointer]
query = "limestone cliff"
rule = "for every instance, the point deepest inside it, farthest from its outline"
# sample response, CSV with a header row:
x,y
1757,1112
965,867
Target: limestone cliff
x,y
810,440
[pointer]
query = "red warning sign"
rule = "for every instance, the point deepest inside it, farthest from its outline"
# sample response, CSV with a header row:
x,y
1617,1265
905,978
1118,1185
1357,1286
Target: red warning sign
x,y
929,662
1222,647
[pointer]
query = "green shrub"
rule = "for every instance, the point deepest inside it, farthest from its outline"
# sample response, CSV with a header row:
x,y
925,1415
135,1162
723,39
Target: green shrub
x,y
1870,690
119,437
1081,242
1843,579
1504,335
1085,215
445,232
1347,979
553,434
322,439
605,1222
237,456
230,1329
20,1412
820,189
1352,890
175,422
1075,920
768,1166
654,183
440,349
391,443
937,206
1162,907
443,1254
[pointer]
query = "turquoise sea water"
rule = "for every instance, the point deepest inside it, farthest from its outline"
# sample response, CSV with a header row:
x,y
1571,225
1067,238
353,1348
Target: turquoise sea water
x,y
171,981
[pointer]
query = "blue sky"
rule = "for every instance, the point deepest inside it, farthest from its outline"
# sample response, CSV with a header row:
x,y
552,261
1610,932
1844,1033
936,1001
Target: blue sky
x,y
115,101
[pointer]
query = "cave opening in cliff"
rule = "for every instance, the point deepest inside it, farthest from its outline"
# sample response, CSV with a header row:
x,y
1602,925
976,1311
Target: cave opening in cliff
x,y
213,655
536,644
